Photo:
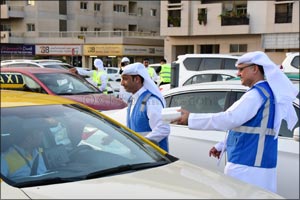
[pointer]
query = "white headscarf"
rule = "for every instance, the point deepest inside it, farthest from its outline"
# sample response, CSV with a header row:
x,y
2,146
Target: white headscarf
x,y
98,64
283,89
139,69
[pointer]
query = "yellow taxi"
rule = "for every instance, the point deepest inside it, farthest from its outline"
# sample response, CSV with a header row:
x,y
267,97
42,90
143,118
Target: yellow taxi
x,y
55,148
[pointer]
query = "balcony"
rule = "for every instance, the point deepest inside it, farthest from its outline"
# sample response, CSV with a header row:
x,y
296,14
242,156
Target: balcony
x,y
12,37
234,20
8,11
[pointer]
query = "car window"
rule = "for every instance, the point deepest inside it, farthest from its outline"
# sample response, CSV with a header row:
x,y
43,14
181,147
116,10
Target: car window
x,y
201,78
284,131
295,62
112,71
64,84
75,142
210,63
199,102
229,63
192,64
33,85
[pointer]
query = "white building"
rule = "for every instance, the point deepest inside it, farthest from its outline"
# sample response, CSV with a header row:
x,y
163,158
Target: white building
x,y
81,30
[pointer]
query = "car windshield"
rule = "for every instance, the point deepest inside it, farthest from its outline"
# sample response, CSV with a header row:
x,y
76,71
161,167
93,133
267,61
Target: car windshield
x,y
75,144
66,84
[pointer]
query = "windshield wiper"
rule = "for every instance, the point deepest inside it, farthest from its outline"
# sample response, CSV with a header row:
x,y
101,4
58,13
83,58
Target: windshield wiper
x,y
125,168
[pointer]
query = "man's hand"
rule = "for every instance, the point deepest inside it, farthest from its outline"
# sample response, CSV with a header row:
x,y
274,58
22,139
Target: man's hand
x,y
73,70
183,119
214,152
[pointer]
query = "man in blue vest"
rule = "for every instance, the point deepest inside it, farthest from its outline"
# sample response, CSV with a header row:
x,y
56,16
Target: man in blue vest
x,y
253,121
145,105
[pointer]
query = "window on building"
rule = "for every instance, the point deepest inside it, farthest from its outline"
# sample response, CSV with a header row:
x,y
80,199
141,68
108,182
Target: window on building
x,y
2,2
5,27
97,29
235,48
97,7
83,29
174,1
174,18
140,11
30,27
283,13
62,25
83,5
119,8
153,12
63,7
31,2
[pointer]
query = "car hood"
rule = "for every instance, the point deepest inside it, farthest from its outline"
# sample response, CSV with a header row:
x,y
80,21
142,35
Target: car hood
x,y
179,180
98,101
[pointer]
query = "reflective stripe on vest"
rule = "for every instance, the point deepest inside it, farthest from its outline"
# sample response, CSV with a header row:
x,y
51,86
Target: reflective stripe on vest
x,y
240,135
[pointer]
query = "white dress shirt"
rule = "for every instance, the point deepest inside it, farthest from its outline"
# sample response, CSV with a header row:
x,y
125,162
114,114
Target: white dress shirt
x,y
159,129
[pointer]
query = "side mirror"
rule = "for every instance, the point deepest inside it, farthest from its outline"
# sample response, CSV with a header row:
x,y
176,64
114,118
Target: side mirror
x,y
296,134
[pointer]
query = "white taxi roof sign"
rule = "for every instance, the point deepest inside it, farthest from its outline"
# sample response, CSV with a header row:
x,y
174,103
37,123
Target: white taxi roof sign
x,y
11,80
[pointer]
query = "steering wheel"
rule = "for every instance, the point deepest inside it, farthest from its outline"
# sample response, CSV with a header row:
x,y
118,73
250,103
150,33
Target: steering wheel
x,y
77,149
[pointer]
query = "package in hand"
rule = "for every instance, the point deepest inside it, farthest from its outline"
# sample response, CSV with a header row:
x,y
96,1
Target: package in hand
x,y
169,114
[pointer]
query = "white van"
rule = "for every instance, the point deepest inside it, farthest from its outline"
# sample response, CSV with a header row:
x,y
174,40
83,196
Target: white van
x,y
186,65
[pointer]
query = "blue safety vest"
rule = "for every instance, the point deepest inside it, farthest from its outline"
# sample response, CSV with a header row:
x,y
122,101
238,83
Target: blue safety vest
x,y
140,121
254,143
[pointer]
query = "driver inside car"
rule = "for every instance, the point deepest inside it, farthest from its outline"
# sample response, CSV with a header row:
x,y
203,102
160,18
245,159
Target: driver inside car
x,y
24,157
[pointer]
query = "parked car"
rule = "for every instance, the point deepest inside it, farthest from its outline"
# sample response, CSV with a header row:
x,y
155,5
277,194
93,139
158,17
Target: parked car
x,y
101,159
193,145
62,83
36,63
204,76
113,73
291,62
186,65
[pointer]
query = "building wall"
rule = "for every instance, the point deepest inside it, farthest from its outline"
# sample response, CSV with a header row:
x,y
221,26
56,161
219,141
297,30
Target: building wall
x,y
260,34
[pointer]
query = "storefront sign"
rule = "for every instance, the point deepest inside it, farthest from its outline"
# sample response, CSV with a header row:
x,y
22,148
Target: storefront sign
x,y
119,50
102,50
143,51
62,50
17,49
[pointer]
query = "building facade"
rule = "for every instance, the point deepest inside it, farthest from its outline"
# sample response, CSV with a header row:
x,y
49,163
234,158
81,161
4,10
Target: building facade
x,y
80,31
230,27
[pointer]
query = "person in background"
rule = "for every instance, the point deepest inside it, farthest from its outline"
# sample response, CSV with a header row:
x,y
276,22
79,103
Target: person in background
x,y
123,94
253,121
98,77
24,157
145,105
164,72
124,61
150,70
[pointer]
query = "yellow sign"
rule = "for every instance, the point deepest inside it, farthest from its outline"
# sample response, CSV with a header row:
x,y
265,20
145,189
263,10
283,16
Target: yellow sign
x,y
103,50
11,81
